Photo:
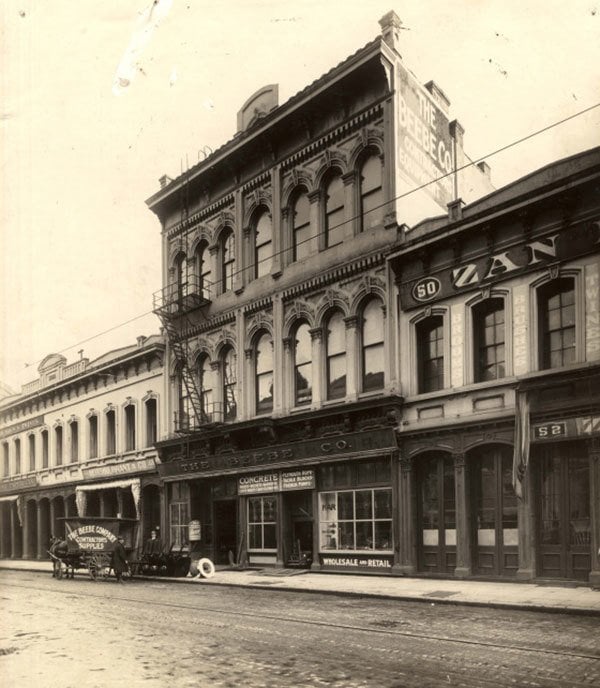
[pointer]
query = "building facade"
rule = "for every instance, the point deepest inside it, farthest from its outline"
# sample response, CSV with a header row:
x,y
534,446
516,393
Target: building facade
x,y
499,351
281,314
80,441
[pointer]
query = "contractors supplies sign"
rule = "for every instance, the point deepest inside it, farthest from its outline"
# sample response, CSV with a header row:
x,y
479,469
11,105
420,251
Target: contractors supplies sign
x,y
91,536
425,146
276,481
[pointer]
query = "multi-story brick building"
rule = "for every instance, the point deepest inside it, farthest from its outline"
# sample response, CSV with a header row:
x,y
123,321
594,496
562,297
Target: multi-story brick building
x,y
79,440
281,315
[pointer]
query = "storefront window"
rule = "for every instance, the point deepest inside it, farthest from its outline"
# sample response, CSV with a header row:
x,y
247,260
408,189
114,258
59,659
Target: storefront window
x,y
179,516
356,520
262,519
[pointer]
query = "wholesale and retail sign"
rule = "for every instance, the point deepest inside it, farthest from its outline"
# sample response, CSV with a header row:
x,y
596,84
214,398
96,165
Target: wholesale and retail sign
x,y
425,145
357,561
276,481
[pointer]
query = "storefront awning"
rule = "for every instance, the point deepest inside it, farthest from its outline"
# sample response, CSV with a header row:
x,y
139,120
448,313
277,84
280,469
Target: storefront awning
x,y
80,492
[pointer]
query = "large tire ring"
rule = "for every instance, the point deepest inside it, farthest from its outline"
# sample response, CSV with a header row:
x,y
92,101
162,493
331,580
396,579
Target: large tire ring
x,y
206,568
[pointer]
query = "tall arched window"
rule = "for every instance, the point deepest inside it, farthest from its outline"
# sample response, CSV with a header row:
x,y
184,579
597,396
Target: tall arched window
x,y
372,346
334,210
130,421
430,353
489,338
203,269
304,244
336,356
227,251
302,366
556,304
371,193
205,380
263,244
180,277
229,380
263,352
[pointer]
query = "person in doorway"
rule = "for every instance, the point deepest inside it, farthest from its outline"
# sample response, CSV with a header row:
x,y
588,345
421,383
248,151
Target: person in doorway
x,y
153,546
119,560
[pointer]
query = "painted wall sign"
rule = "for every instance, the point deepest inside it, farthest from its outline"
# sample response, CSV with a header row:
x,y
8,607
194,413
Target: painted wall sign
x,y
194,531
22,426
278,481
425,146
357,561
520,258
582,426
124,468
368,440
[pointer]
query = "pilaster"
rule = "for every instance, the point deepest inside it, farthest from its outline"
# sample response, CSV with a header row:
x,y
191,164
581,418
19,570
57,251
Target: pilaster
x,y
526,524
316,336
463,523
594,454
352,362
405,557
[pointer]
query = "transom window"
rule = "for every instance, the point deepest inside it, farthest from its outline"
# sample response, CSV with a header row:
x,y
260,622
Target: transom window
x,y
489,331
430,353
263,244
557,323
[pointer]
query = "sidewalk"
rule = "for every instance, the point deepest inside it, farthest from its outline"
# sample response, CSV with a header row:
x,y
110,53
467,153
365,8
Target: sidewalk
x,y
530,596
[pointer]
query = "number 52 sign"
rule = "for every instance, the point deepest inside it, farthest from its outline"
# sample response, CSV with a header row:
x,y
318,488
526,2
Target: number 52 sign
x,y
550,431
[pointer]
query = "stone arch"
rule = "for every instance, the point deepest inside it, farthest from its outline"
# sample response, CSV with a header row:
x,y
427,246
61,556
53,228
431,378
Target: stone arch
x,y
370,142
369,287
298,312
331,300
335,161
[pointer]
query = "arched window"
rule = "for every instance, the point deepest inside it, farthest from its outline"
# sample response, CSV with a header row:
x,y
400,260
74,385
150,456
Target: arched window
x,y
151,422
18,456
372,330
302,366
58,444
334,210
371,193
74,439
304,244
227,251
489,338
263,244
430,353
180,277
5,459
263,352
336,356
229,379
556,306
205,380
203,269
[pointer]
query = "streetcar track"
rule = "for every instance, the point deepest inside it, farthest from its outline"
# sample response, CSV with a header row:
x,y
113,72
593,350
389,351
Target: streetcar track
x,y
323,624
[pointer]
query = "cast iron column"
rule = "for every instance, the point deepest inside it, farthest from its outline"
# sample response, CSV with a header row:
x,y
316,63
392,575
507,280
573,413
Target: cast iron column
x,y
463,520
405,538
594,451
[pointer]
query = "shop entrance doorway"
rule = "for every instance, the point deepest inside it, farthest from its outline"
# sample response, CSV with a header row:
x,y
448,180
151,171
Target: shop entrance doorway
x,y
436,513
564,511
298,546
225,530
494,512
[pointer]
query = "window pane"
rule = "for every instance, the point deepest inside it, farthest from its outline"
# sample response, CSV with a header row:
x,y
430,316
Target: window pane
x,y
264,259
264,354
270,533
336,334
364,504
264,401
364,535
346,531
255,537
336,382
263,243
345,505
383,503
373,368
383,535
303,383
372,323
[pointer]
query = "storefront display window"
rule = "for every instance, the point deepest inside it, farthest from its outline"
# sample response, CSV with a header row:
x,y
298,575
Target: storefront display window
x,y
356,520
262,520
178,516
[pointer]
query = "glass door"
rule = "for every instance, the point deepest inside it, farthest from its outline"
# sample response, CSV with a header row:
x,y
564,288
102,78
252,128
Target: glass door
x,y
494,509
437,513
564,511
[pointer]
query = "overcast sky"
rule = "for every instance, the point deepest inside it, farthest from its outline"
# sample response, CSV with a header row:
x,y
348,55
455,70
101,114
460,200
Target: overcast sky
x,y
80,250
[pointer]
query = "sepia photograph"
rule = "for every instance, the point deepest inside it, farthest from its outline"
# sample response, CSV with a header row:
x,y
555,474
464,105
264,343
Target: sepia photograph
x,y
300,344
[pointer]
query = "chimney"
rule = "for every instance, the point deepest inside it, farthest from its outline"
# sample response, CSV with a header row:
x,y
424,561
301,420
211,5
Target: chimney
x,y
164,181
390,29
455,210
439,96
140,341
485,169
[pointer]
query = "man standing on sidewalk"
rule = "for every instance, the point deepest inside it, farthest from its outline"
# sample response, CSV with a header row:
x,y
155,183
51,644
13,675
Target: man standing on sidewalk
x,y
119,560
